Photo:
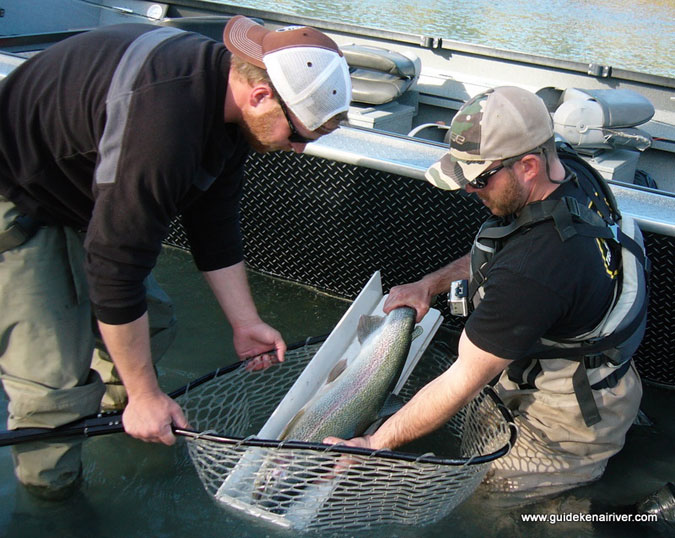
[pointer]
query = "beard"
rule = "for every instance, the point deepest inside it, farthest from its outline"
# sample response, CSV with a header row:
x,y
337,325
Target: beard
x,y
510,200
258,130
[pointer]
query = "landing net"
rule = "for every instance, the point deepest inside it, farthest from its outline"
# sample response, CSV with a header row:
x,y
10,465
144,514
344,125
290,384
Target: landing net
x,y
313,487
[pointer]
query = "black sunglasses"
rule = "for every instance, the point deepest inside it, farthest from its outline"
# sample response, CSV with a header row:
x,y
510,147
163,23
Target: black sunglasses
x,y
295,136
481,180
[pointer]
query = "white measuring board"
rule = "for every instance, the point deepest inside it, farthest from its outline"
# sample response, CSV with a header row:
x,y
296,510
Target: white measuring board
x,y
343,342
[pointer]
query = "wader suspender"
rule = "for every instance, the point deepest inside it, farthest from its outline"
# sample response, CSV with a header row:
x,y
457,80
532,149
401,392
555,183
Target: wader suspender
x,y
571,218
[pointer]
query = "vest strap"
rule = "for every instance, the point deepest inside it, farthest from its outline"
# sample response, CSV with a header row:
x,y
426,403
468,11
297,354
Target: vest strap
x,y
562,218
584,394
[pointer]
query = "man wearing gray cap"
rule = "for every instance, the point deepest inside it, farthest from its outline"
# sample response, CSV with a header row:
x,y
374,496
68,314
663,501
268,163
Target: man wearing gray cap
x,y
559,300
106,138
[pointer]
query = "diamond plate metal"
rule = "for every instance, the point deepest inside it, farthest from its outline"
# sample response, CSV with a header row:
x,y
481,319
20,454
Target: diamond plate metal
x,y
330,225
655,358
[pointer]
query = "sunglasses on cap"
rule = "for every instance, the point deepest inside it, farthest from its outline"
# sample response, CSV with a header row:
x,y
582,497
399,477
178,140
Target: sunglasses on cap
x,y
295,136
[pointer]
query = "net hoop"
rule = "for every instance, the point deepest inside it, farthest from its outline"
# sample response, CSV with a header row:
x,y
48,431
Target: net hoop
x,y
308,486
385,454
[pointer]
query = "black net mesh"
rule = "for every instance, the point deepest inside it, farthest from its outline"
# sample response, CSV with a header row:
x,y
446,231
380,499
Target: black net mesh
x,y
330,225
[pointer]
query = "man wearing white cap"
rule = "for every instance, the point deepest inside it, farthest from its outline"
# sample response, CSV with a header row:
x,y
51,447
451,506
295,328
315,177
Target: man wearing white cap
x,y
560,300
106,138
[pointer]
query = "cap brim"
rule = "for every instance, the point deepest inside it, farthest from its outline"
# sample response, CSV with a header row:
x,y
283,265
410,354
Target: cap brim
x,y
243,37
452,174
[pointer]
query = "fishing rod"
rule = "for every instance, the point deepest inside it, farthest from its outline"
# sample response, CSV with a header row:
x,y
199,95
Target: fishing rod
x,y
111,422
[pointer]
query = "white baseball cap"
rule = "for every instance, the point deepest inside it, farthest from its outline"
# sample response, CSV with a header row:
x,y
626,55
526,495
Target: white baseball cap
x,y
305,66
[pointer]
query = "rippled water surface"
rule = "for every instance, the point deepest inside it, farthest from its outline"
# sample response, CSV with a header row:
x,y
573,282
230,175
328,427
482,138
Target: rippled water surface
x,y
637,35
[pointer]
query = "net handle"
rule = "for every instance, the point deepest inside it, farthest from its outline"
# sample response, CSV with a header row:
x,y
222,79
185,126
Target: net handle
x,y
105,423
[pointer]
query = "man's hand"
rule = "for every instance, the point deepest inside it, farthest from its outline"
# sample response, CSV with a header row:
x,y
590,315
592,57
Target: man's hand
x,y
149,418
252,336
359,442
420,294
346,460
255,340
417,295
149,413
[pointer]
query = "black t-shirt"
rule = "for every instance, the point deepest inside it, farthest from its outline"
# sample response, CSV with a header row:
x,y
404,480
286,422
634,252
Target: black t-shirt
x,y
117,131
539,286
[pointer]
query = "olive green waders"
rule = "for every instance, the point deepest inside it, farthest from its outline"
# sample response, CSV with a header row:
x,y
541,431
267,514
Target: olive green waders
x,y
47,342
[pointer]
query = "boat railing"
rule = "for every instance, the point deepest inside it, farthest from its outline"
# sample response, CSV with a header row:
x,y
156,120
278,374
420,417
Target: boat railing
x,y
406,156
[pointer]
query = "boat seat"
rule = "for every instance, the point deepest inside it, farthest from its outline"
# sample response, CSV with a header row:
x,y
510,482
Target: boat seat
x,y
597,119
379,75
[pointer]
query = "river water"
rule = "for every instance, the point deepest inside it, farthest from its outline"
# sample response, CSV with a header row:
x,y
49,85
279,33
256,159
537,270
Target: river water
x,y
638,35
136,490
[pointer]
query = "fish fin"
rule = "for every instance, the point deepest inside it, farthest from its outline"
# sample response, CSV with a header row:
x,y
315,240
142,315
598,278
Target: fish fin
x,y
291,423
367,326
339,367
417,331
391,405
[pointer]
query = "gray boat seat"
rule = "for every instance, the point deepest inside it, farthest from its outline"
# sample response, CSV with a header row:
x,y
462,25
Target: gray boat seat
x,y
379,75
603,118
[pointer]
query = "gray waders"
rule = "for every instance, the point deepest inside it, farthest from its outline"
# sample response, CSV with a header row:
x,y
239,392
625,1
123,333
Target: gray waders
x,y
48,345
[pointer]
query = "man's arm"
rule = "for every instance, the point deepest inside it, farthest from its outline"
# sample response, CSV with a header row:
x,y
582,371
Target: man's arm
x,y
437,401
252,336
420,294
149,413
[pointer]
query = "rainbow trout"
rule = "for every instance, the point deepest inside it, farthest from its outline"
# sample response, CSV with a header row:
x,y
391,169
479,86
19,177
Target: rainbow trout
x,y
355,393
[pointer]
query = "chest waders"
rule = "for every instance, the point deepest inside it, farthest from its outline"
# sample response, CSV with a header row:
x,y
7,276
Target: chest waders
x,y
616,338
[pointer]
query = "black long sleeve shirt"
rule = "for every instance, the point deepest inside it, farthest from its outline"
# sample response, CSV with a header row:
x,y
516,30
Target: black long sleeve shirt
x,y
118,131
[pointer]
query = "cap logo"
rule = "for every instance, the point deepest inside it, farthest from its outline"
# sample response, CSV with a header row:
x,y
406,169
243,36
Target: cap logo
x,y
456,137
465,132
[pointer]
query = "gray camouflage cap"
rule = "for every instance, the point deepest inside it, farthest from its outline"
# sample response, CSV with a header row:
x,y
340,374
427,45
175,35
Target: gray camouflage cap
x,y
494,125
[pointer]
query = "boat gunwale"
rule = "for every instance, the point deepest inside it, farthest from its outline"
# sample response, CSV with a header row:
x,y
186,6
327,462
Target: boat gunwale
x,y
654,210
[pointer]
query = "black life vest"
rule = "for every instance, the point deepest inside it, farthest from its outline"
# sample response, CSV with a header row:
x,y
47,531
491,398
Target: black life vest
x,y
616,338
